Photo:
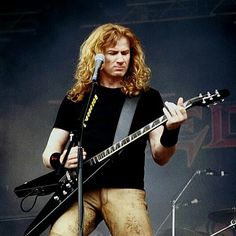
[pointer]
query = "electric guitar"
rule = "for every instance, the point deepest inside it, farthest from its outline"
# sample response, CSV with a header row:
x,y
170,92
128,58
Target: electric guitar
x,y
65,187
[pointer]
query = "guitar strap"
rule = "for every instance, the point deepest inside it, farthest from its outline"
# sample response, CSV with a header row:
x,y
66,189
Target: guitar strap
x,y
126,117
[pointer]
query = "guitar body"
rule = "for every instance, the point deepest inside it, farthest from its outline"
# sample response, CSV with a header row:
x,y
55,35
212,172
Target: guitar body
x,y
65,194
50,212
43,185
65,187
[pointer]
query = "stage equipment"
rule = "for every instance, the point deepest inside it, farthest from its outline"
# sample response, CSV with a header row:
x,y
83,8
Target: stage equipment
x,y
225,216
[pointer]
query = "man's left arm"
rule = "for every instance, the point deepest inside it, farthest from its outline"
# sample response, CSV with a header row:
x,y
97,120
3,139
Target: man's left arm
x,y
164,138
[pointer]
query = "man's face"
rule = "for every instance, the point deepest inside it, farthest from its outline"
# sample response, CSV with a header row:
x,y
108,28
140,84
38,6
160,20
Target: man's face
x,y
117,60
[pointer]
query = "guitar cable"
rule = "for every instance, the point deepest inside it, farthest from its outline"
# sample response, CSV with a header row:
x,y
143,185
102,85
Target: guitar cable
x,y
22,201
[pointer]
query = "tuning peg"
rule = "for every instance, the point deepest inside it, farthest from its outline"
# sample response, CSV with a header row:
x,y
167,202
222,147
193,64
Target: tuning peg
x,y
203,99
209,96
217,93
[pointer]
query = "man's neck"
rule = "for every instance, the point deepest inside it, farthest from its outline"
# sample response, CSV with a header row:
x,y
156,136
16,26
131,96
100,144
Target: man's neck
x,y
111,82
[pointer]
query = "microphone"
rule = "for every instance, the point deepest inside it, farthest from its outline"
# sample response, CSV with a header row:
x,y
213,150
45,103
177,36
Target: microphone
x,y
99,60
195,201
210,172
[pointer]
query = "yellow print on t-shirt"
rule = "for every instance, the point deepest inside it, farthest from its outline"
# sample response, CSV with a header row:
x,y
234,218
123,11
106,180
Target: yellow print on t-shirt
x,y
95,98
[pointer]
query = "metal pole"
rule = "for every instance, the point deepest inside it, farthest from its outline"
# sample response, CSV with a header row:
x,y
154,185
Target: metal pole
x,y
177,198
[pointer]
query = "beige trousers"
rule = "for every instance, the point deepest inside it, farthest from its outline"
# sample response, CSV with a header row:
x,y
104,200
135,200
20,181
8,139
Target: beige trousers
x,y
123,210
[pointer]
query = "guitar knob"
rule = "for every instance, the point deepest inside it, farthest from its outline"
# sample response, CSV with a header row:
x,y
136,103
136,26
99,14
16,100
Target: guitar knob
x,y
64,192
68,185
56,198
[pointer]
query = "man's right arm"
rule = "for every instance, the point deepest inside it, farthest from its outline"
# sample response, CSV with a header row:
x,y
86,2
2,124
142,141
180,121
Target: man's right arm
x,y
56,144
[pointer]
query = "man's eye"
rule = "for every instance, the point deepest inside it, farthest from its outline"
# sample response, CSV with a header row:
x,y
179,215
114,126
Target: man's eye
x,y
125,53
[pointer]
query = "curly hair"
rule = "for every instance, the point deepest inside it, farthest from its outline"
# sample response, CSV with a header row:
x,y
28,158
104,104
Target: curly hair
x,y
136,78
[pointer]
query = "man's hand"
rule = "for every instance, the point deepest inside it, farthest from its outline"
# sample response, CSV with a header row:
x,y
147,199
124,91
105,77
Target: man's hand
x,y
175,113
72,160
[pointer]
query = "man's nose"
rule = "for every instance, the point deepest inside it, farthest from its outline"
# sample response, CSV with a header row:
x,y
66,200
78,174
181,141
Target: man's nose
x,y
120,58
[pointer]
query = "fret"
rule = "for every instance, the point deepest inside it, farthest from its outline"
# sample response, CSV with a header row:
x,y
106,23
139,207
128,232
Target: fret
x,y
107,151
163,119
112,148
100,155
92,161
146,128
117,145
155,123
125,141
134,135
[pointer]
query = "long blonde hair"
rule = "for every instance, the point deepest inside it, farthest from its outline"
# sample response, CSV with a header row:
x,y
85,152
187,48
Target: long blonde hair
x,y
138,74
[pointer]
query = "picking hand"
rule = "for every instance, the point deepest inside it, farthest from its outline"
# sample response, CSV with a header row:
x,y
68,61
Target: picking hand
x,y
72,160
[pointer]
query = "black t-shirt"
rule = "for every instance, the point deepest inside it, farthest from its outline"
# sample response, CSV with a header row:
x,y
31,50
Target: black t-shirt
x,y
125,170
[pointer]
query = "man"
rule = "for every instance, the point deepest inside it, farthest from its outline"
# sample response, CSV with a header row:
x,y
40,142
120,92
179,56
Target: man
x,y
116,193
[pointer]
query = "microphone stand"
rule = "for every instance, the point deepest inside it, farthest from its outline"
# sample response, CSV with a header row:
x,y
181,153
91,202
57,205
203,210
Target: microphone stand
x,y
80,190
80,163
177,198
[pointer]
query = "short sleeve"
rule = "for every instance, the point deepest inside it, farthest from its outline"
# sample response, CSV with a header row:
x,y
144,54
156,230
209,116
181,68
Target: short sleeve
x,y
68,115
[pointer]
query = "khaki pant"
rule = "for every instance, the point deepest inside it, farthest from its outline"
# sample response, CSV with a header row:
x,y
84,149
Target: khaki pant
x,y
123,210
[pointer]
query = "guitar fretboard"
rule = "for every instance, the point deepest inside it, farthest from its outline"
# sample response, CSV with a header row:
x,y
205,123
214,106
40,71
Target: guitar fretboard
x,y
129,139
125,141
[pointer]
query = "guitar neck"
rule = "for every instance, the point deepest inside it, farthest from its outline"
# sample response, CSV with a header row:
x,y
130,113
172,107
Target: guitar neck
x,y
127,140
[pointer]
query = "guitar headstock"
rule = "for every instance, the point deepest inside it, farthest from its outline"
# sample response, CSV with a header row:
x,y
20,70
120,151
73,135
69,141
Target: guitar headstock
x,y
208,98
